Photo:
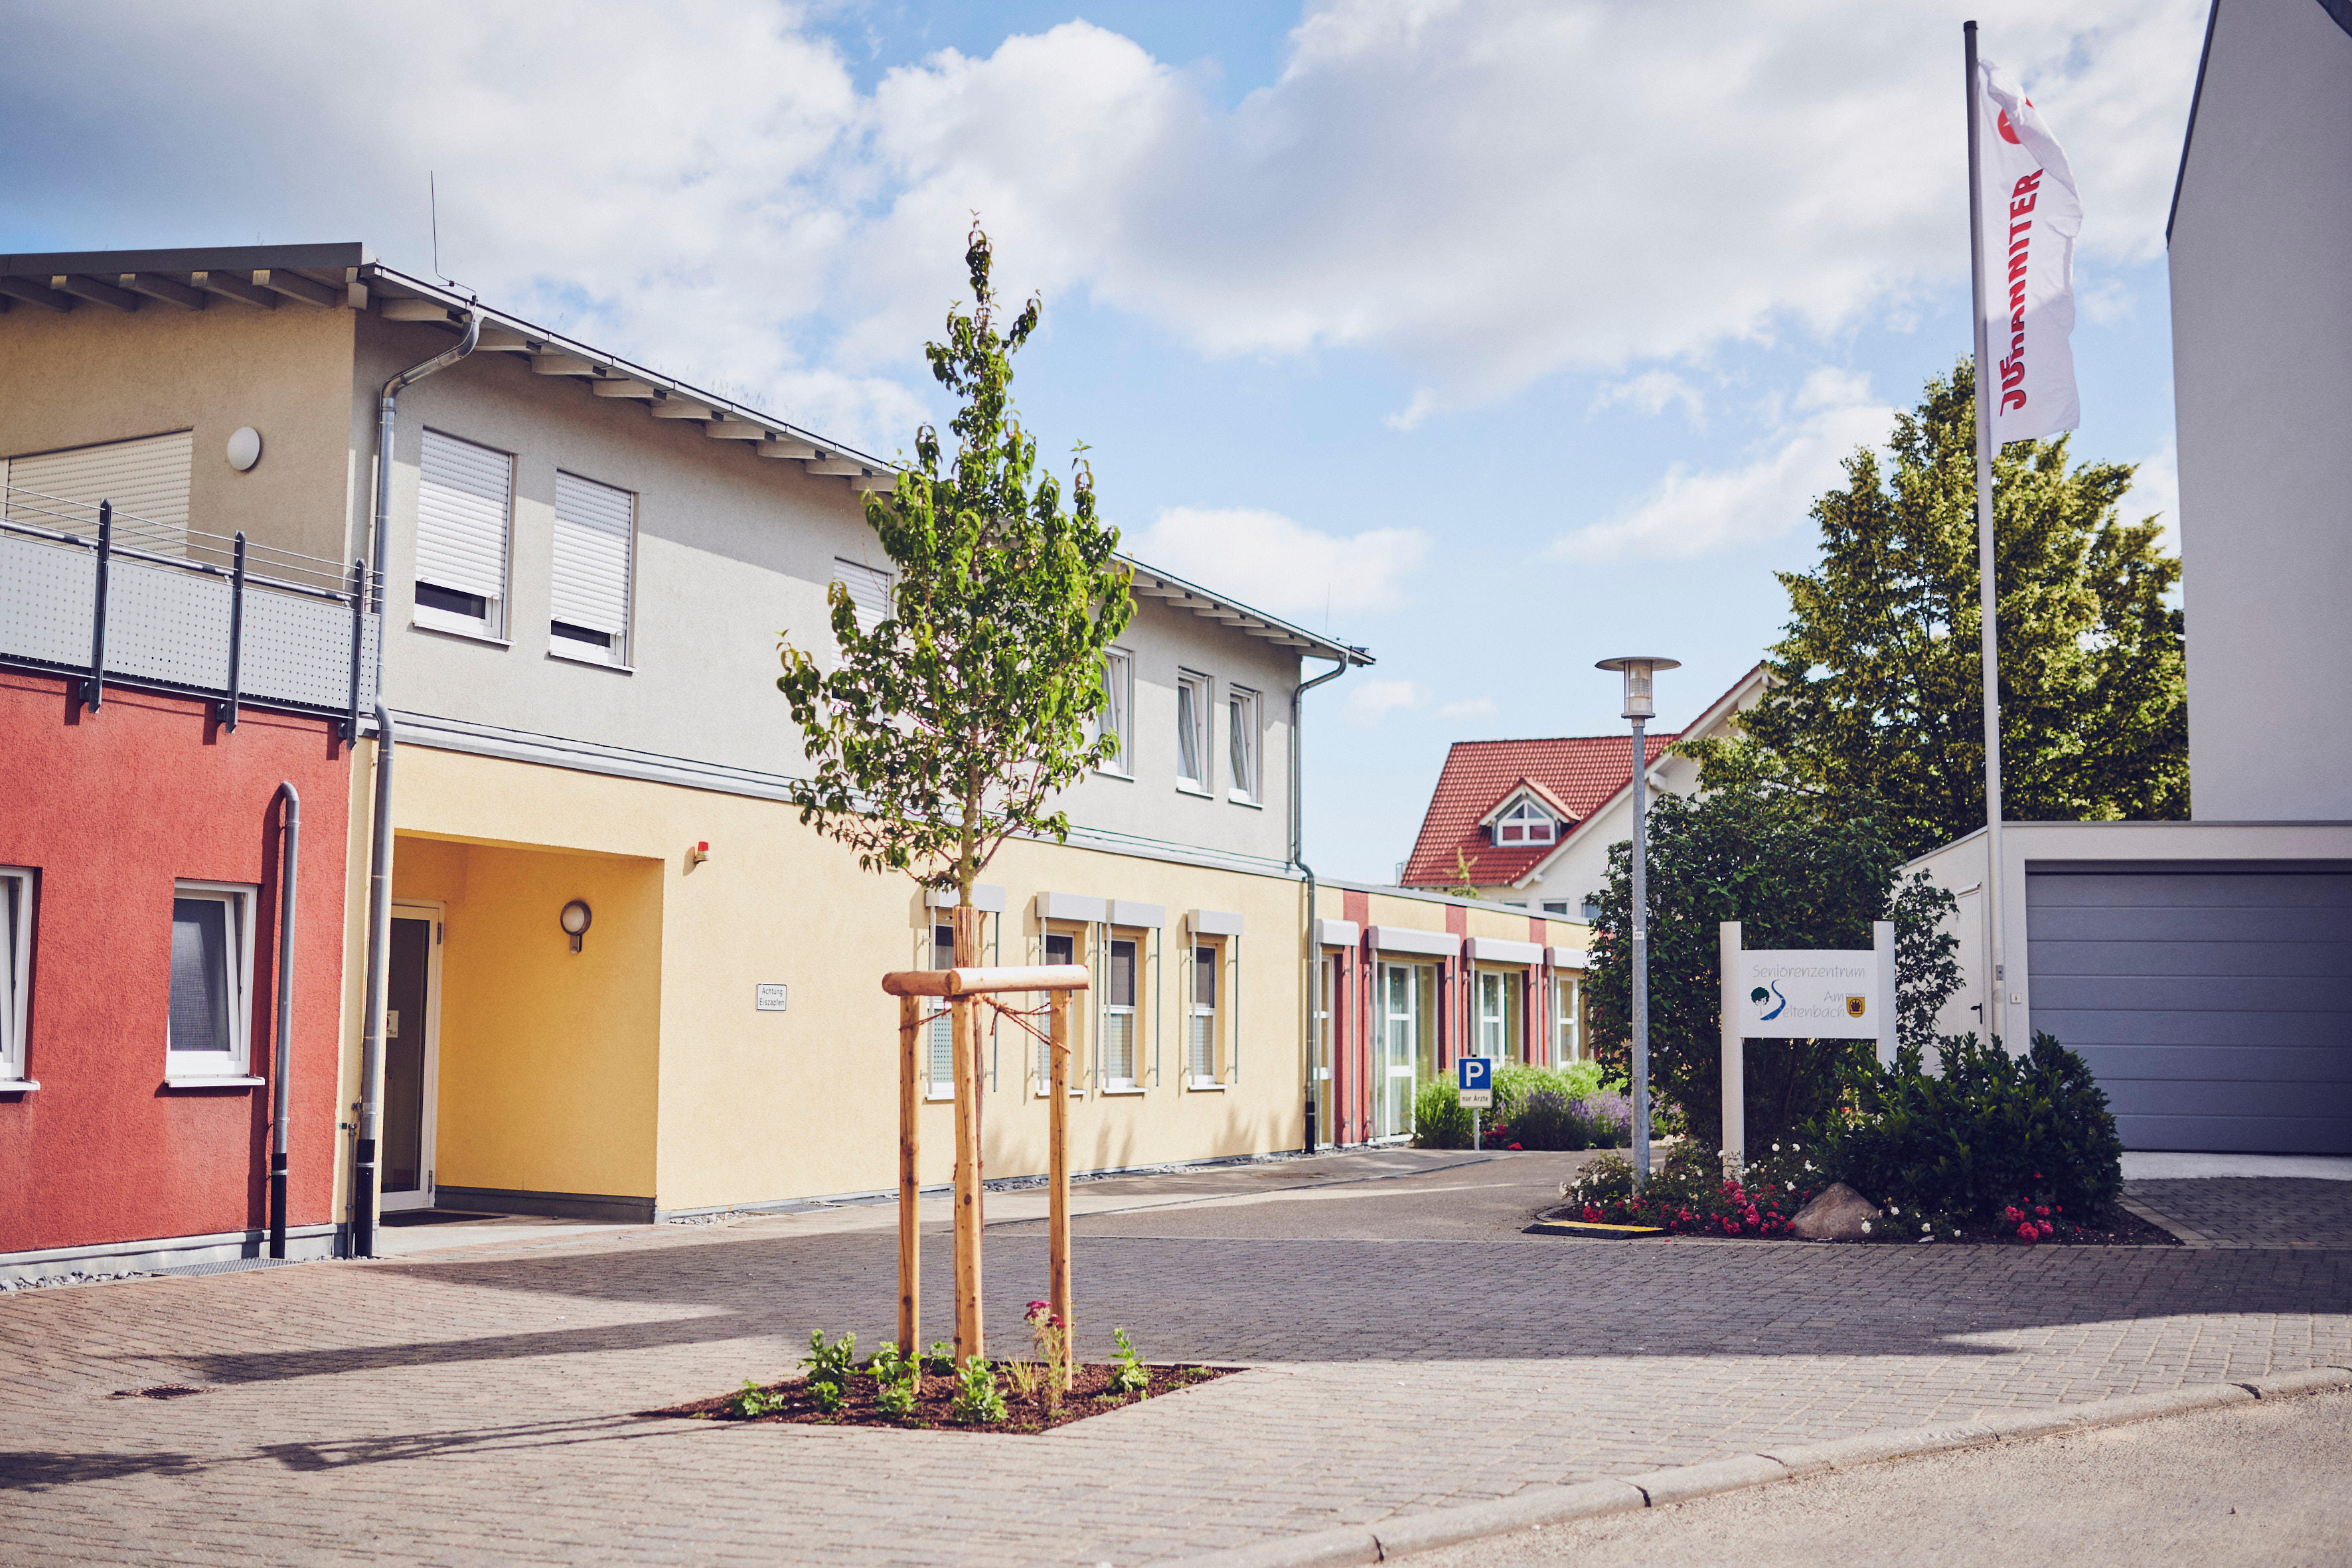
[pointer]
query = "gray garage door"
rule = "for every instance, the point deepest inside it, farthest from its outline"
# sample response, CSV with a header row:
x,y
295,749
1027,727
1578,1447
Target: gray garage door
x,y
2215,1008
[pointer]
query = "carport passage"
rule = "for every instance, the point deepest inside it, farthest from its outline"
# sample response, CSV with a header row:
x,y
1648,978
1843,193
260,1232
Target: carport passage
x,y
2214,1006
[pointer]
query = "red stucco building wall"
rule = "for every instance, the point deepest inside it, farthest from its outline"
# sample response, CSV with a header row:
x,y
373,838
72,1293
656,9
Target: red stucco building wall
x,y
111,807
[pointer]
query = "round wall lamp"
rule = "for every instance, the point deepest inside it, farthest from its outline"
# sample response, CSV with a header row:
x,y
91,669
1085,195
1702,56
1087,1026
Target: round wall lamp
x,y
575,920
244,447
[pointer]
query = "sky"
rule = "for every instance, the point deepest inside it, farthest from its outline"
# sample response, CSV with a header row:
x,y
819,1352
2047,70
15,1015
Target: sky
x,y
1498,336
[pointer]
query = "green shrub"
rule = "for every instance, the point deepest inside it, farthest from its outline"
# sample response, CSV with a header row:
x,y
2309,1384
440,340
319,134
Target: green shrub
x,y
1990,1132
978,1401
1515,1083
1130,1375
830,1364
1439,1118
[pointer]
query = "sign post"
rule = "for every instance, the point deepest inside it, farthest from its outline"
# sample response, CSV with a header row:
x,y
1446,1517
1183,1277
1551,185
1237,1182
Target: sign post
x,y
1793,994
1474,1080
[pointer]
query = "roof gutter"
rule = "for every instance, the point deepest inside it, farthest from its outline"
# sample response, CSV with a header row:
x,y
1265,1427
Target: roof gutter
x,y
1298,832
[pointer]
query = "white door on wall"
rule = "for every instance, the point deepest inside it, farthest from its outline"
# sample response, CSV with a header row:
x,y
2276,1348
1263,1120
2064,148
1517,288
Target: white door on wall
x,y
1400,1023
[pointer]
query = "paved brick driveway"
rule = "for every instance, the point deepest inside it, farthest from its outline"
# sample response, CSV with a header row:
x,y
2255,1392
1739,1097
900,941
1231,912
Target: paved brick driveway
x,y
479,1408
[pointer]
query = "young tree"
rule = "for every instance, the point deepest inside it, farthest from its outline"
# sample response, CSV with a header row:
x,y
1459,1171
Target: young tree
x,y
949,724
1797,874
1879,686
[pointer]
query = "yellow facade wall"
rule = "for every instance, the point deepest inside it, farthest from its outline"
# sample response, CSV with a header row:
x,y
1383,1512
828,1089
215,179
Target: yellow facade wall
x,y
719,1103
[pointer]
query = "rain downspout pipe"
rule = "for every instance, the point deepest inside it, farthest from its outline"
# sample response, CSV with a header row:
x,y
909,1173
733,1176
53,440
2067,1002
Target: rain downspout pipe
x,y
379,934
289,864
1298,832
386,412
379,951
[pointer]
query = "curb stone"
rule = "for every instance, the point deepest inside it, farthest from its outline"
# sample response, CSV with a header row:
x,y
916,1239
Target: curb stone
x,y
1537,1506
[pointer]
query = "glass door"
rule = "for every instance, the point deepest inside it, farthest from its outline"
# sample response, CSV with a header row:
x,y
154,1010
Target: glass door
x,y
1403,1026
412,1028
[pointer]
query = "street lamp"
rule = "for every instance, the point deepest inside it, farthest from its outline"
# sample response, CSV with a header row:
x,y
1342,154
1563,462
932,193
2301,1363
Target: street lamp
x,y
1641,706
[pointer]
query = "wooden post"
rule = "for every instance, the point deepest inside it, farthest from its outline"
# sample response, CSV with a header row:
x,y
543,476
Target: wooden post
x,y
1057,1224
968,1334
911,1102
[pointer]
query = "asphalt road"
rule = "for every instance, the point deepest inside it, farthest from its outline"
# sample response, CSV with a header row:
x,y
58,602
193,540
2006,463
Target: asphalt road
x,y
2268,1483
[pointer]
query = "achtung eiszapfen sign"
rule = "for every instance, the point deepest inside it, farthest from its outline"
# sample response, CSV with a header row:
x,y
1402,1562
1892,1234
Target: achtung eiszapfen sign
x,y
1807,995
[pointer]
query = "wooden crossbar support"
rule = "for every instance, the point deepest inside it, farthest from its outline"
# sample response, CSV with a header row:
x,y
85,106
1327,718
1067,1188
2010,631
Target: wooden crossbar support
x,y
975,981
911,1236
958,987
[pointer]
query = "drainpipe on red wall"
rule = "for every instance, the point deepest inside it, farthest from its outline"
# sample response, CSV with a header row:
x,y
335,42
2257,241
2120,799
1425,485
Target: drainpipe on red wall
x,y
288,865
1297,836
379,950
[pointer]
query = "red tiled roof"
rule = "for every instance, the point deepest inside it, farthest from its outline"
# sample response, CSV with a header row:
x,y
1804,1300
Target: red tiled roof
x,y
1579,771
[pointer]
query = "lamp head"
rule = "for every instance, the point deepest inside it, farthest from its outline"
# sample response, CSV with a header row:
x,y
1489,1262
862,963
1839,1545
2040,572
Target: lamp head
x,y
575,920
1640,701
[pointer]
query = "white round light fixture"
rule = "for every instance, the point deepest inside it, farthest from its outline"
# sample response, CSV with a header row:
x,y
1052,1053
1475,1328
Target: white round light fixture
x,y
575,920
243,448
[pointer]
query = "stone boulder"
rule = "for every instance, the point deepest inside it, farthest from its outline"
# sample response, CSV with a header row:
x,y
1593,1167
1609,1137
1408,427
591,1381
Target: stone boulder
x,y
1838,1214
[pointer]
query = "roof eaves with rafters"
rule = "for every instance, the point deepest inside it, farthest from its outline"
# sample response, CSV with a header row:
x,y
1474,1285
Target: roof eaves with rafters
x,y
343,276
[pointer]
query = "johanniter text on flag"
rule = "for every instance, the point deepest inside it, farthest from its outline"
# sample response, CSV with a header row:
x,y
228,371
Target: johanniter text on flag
x,y
2031,214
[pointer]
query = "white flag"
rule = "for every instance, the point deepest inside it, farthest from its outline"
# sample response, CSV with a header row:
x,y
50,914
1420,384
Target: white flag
x,y
2031,216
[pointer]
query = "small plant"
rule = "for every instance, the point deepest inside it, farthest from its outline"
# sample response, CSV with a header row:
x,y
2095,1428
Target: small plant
x,y
888,1365
830,1365
1051,1338
978,1402
755,1401
1129,1375
1026,1377
825,1396
940,1363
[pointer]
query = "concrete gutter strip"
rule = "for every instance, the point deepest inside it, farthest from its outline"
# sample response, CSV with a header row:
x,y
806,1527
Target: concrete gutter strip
x,y
1537,1506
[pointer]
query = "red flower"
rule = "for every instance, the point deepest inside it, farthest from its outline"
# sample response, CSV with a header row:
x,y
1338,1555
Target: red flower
x,y
1591,1214
2042,1209
2047,1228
2028,1235
1515,1145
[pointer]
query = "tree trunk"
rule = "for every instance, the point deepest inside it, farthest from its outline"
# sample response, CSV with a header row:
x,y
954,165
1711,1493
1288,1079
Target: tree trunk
x,y
968,1173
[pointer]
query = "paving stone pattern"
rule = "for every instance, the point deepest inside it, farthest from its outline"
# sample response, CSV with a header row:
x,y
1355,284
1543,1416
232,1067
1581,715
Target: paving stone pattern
x,y
484,1409
2253,1210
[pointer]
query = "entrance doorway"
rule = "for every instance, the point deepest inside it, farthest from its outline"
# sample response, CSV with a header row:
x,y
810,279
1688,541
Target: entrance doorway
x,y
412,1057
1406,1008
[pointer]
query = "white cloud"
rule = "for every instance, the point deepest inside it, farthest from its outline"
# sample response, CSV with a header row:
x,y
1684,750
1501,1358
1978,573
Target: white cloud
x,y
1469,707
1652,392
1485,192
1409,417
1271,564
1696,511
2155,487
1371,700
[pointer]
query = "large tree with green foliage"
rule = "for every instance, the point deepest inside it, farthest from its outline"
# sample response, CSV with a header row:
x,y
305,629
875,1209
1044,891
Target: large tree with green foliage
x,y
1796,873
1879,686
949,725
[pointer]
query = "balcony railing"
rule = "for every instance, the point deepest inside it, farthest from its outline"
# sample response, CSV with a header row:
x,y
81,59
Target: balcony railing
x,y
110,598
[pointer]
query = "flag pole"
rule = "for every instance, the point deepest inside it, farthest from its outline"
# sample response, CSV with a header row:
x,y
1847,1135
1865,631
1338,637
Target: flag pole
x,y
1995,978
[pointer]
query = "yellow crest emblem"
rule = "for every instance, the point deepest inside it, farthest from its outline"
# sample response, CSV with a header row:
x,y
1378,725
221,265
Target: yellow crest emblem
x,y
1854,1007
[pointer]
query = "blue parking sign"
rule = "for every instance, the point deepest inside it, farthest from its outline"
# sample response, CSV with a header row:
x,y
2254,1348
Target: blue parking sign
x,y
1474,1076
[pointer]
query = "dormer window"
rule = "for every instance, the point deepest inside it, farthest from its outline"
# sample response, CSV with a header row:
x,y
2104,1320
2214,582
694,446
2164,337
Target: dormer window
x,y
1525,823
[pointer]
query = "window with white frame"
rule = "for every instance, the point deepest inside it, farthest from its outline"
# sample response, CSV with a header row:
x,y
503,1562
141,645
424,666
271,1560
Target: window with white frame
x,y
1497,999
1242,748
1525,823
465,501
1061,947
1118,699
16,968
1568,1004
1555,906
1200,1033
210,1026
1118,1027
869,590
1192,731
941,1036
595,537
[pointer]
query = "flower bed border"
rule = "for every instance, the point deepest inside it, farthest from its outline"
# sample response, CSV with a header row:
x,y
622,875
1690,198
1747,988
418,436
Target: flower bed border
x,y
1089,1395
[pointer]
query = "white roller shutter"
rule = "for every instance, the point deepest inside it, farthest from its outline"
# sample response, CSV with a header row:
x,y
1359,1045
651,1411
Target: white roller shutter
x,y
147,480
464,498
595,529
870,590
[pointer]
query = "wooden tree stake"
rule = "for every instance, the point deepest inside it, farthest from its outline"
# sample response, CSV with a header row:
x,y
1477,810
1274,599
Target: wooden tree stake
x,y
1057,1224
911,1102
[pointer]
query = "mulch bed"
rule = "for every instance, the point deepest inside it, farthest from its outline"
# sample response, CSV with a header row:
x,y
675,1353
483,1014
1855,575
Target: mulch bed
x,y
2127,1229
1089,1394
